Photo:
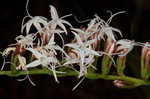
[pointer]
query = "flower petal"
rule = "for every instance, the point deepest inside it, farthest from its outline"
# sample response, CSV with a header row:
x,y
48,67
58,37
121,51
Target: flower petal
x,y
33,64
53,11
35,52
71,61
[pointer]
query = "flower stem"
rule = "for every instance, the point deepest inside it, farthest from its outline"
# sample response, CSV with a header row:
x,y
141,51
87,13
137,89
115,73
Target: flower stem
x,y
134,82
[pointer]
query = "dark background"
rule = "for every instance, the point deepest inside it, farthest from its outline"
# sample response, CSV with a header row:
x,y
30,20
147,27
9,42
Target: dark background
x,y
134,24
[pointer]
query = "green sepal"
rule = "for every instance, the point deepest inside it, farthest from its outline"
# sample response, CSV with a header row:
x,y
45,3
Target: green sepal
x,y
120,65
144,71
14,63
106,64
90,68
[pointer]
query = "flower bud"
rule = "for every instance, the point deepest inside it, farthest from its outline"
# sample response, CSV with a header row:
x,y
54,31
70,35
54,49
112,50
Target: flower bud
x,y
110,48
145,61
120,83
120,64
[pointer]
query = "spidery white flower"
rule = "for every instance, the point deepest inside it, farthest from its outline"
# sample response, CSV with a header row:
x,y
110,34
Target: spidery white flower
x,y
125,45
48,32
107,30
54,26
56,21
91,32
91,29
51,47
85,54
49,62
93,25
26,41
38,21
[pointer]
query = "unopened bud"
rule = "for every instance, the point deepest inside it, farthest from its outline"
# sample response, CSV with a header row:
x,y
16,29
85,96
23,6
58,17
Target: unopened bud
x,y
145,61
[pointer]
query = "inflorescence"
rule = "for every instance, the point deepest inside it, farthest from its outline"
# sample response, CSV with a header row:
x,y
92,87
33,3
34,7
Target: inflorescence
x,y
40,49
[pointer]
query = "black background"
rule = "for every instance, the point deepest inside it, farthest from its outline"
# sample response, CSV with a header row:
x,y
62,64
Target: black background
x,y
134,24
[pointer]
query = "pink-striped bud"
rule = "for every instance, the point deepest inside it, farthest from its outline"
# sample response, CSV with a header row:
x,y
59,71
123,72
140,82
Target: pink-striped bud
x,y
145,61
110,47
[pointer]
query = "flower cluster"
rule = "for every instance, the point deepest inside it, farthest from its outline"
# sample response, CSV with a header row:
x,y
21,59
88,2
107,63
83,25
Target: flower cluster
x,y
42,48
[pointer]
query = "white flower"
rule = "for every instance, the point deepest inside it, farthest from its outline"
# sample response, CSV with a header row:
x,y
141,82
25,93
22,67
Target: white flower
x,y
125,45
56,21
26,41
48,61
93,27
83,35
42,59
107,30
54,26
85,54
38,21
52,47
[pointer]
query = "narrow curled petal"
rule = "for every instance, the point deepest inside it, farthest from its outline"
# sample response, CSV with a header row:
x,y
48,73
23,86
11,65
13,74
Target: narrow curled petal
x,y
36,21
109,20
52,60
71,61
91,24
22,25
72,45
90,51
62,26
28,26
51,41
89,61
35,52
60,49
53,12
33,64
66,22
116,30
37,26
79,41
89,42
54,73
78,30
